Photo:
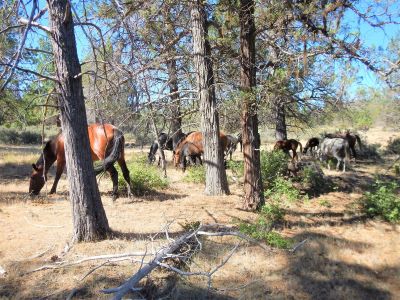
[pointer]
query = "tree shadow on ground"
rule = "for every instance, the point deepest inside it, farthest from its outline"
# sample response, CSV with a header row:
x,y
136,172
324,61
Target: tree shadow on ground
x,y
325,218
314,274
151,195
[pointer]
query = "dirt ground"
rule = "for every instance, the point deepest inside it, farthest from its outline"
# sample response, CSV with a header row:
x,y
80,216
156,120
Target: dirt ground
x,y
344,255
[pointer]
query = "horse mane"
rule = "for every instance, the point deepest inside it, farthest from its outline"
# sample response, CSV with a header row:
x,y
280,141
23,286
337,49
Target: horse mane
x,y
47,151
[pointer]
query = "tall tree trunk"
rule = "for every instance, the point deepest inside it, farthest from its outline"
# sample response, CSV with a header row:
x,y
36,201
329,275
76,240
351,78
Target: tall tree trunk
x,y
280,121
89,218
253,196
175,106
216,181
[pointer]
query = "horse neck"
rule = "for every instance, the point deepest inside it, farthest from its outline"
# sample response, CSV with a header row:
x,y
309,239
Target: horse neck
x,y
47,159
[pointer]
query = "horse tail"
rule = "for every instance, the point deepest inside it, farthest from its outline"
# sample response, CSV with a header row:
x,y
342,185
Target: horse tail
x,y
301,147
118,142
358,140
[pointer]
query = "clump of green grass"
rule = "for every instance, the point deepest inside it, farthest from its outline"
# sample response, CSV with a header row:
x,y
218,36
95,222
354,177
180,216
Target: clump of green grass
x,y
144,178
324,202
195,174
383,201
261,229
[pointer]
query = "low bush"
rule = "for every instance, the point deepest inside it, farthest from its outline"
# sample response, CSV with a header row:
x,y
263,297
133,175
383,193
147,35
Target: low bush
x,y
15,137
144,178
394,146
383,201
273,165
313,180
195,174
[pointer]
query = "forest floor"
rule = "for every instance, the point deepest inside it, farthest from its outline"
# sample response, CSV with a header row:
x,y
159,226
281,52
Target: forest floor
x,y
344,256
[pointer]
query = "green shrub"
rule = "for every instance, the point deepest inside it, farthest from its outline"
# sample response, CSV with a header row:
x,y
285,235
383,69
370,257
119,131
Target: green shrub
x,y
29,137
273,212
195,174
383,201
283,189
273,165
237,167
144,178
394,146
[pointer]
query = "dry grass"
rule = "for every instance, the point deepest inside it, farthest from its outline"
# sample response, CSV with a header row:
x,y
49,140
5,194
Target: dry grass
x,y
345,256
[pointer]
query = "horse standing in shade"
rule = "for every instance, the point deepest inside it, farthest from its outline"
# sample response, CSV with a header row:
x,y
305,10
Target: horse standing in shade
x,y
287,145
192,147
106,144
337,148
352,139
312,145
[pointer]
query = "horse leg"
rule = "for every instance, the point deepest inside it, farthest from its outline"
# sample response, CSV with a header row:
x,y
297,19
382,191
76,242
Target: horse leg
x,y
200,161
114,178
295,156
125,173
59,171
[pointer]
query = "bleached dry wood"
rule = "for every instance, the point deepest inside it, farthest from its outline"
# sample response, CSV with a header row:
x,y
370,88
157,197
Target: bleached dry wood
x,y
123,289
168,251
110,257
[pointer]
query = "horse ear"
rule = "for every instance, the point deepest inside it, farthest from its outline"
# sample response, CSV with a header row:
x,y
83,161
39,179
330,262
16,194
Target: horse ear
x,y
35,167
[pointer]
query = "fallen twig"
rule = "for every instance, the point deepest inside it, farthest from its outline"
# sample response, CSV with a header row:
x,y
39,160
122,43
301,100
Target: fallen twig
x,y
298,246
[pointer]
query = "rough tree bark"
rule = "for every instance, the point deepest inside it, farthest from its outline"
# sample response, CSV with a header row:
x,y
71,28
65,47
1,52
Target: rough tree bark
x,y
176,118
89,218
280,121
253,195
216,181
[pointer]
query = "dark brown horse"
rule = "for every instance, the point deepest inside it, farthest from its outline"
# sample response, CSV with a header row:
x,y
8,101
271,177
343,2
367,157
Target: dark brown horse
x,y
312,145
352,139
287,145
106,144
192,147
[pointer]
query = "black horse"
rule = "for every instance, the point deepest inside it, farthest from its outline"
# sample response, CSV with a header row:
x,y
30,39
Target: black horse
x,y
166,142
312,145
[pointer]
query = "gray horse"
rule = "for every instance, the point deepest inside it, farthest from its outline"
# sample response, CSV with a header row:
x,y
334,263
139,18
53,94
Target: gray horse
x,y
337,148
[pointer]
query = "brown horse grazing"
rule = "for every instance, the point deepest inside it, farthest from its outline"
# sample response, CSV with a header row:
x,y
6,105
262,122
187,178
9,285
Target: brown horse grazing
x,y
287,145
106,144
192,147
352,139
